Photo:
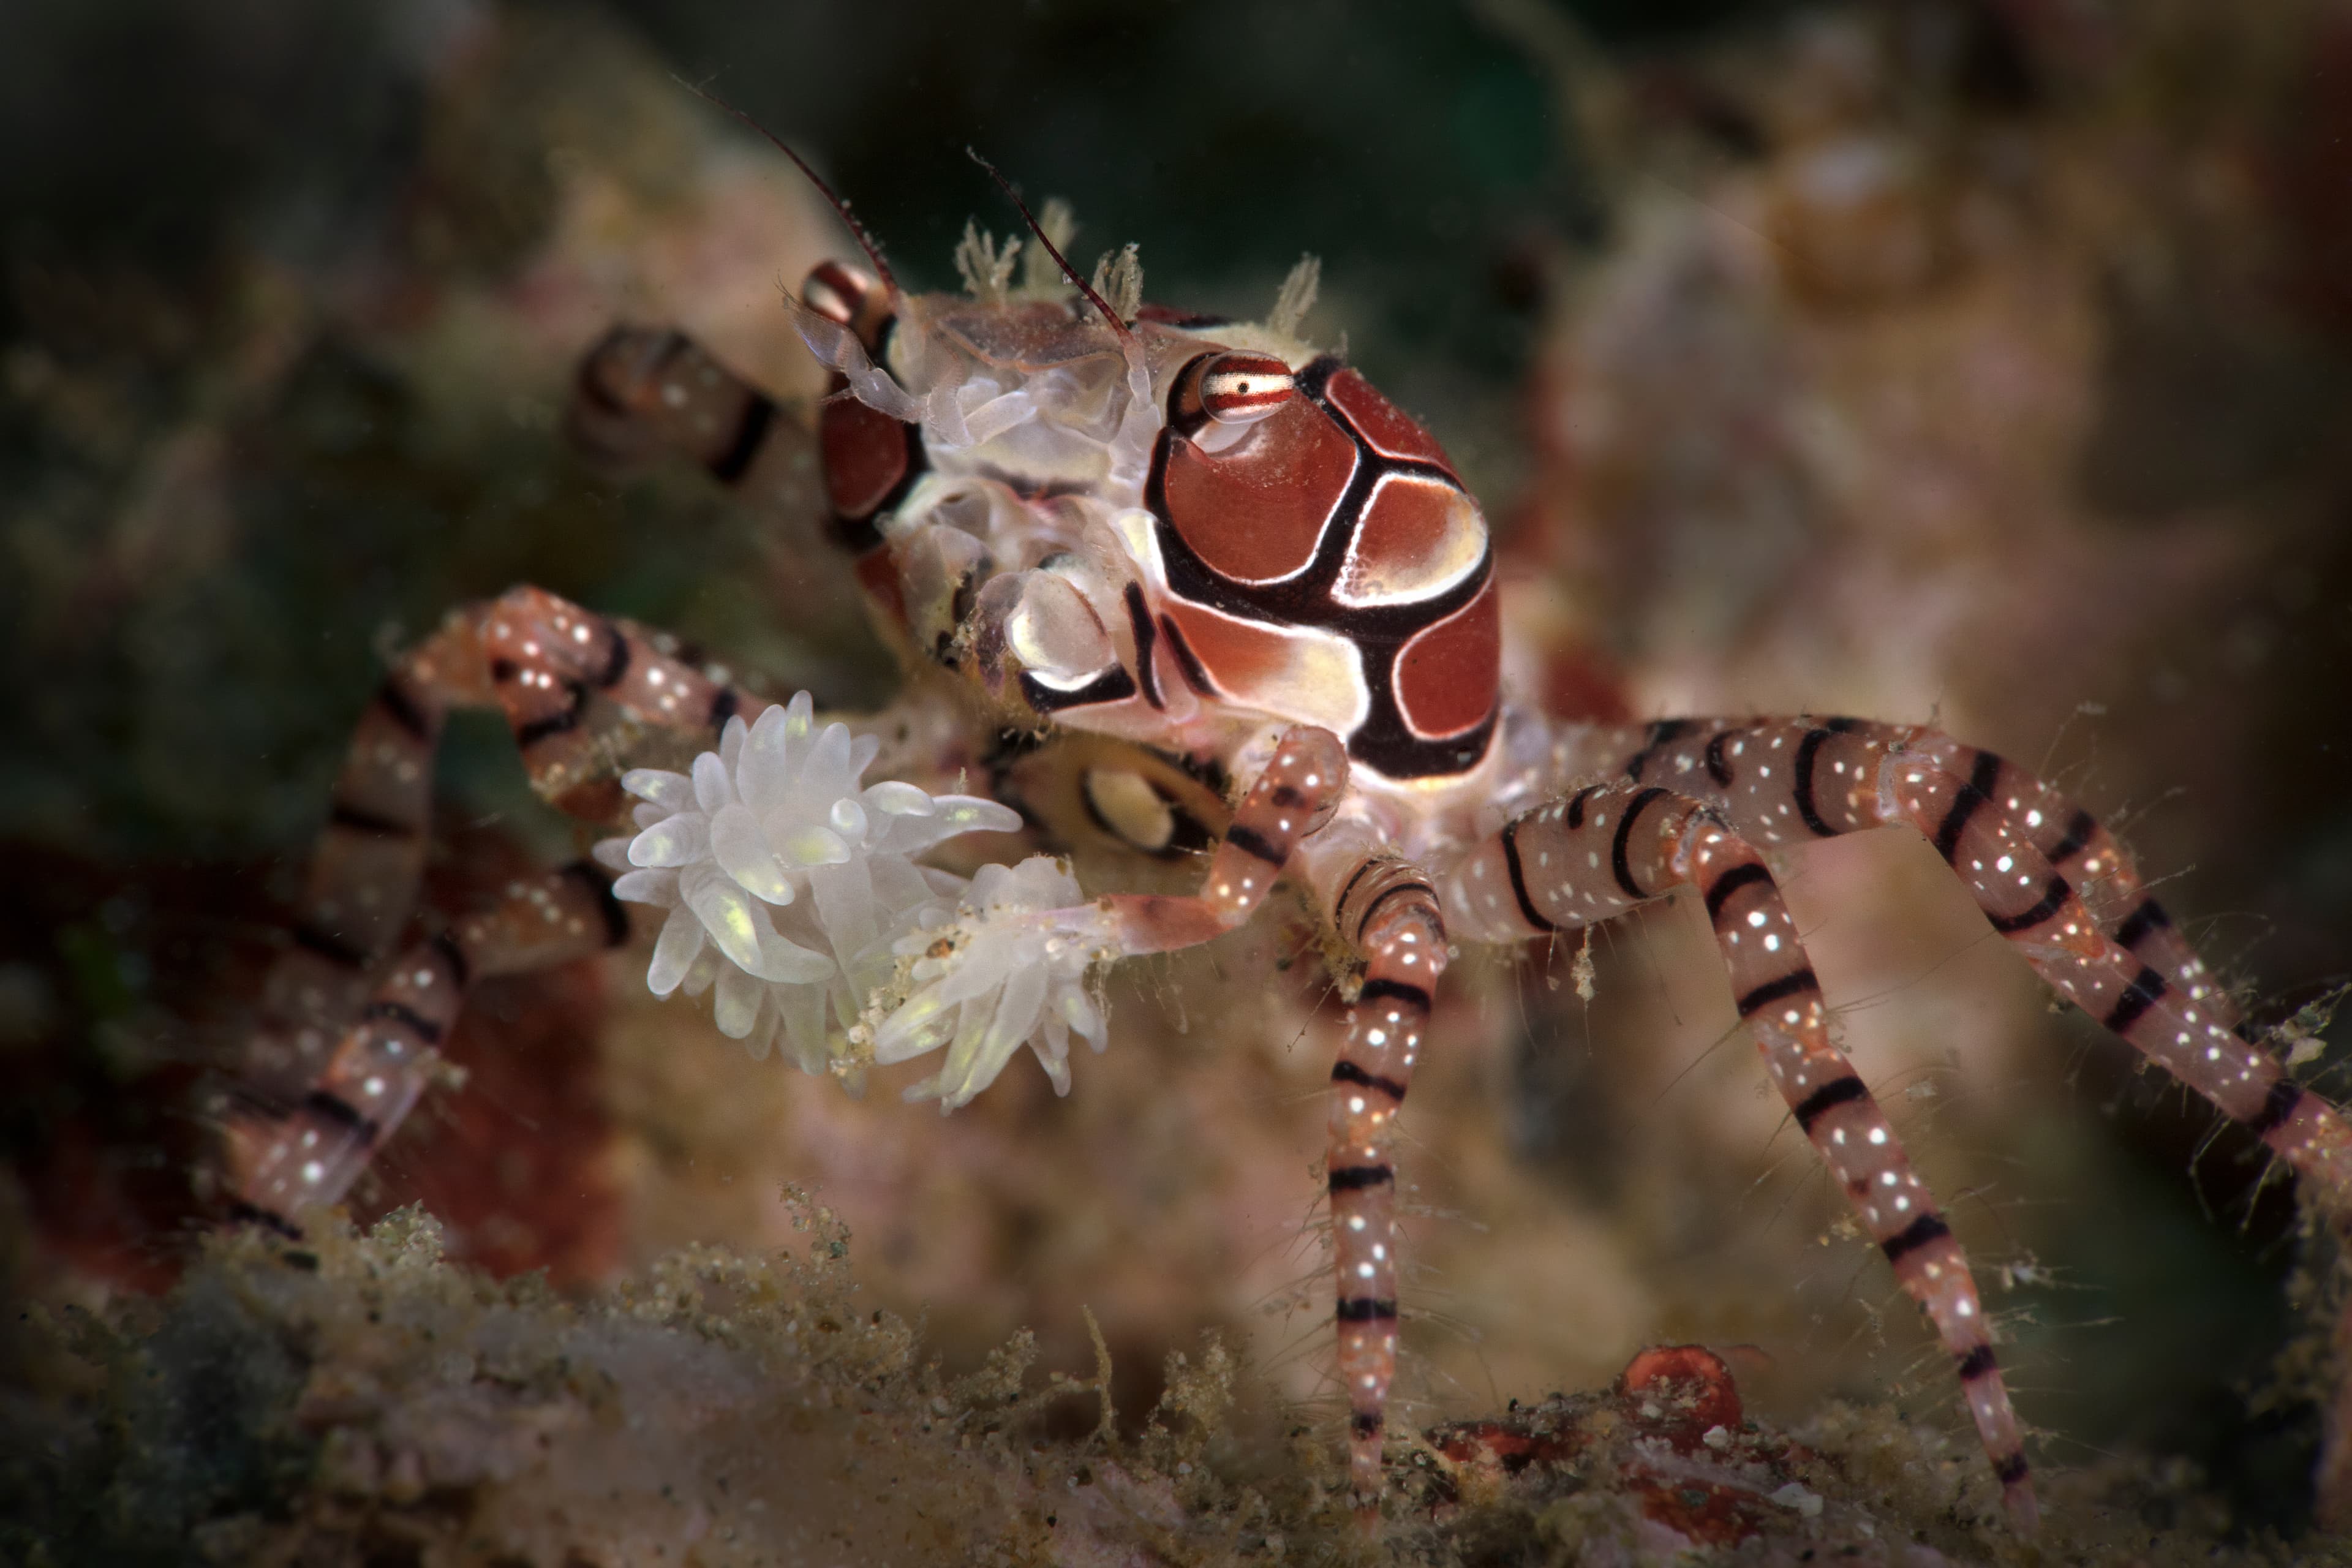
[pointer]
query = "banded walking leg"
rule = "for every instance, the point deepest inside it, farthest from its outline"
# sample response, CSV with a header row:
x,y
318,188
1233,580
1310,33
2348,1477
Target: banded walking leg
x,y
2017,845
644,394
1393,915
361,883
1613,847
2141,980
571,685
311,1155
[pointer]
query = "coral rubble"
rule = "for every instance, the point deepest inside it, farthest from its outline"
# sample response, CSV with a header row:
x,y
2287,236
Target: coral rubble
x,y
361,1400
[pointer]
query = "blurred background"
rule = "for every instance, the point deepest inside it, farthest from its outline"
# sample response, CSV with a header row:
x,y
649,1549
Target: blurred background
x,y
1986,361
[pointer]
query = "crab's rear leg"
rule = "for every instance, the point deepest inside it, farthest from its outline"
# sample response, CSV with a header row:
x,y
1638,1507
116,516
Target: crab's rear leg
x,y
360,885
2175,1014
2030,858
572,686
1612,847
2055,883
280,1162
645,392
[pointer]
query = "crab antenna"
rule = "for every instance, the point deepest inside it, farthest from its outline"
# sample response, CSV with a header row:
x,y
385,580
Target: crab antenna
x,y
1060,260
858,231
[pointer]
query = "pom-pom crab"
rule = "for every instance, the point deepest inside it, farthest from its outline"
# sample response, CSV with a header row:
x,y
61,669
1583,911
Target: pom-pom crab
x,y
1219,552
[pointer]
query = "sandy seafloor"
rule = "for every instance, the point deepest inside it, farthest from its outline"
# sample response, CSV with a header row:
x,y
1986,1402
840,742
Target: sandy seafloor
x,y
1979,362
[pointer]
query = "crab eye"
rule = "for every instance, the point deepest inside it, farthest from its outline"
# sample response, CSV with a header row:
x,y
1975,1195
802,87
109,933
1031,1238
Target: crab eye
x,y
1240,389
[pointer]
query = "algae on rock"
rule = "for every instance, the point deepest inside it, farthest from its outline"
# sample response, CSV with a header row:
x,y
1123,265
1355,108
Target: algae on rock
x,y
360,1399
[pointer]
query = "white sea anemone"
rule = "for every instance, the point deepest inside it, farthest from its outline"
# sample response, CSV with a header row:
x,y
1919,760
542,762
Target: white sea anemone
x,y
1005,969
787,884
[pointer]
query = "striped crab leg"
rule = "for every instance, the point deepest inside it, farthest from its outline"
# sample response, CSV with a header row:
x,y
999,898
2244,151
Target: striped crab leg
x,y
361,882
2051,880
1613,847
1390,911
571,685
646,393
279,1163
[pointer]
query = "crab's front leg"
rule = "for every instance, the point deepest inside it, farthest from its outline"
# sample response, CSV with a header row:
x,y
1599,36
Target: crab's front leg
x,y
980,979
1388,912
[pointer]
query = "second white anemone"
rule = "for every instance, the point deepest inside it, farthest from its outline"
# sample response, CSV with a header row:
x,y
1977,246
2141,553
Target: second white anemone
x,y
1006,968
